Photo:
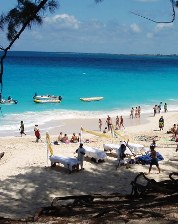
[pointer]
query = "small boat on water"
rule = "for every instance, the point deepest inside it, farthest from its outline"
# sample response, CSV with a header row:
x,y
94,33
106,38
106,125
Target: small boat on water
x,y
47,99
8,102
89,99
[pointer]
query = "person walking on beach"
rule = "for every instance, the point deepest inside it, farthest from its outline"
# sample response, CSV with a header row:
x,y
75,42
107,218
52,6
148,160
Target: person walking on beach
x,y
22,128
121,122
37,133
136,112
161,123
154,110
109,123
139,111
154,160
117,123
81,153
132,113
159,107
100,124
165,107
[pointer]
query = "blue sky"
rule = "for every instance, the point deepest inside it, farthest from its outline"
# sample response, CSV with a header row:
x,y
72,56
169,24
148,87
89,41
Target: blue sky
x,y
107,27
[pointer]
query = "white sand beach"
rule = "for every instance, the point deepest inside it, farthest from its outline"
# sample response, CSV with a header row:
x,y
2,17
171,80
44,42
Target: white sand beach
x,y
28,182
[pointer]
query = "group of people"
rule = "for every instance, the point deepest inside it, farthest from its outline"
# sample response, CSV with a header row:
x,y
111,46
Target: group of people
x,y
109,124
135,113
174,132
157,108
65,139
36,131
153,154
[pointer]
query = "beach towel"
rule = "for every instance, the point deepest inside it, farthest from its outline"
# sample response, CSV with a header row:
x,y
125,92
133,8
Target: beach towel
x,y
146,159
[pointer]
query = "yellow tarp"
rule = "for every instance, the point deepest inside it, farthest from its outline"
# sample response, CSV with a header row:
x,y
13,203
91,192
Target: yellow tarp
x,y
102,135
49,144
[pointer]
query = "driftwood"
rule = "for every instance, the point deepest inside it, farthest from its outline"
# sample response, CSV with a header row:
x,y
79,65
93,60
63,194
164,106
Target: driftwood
x,y
166,187
148,200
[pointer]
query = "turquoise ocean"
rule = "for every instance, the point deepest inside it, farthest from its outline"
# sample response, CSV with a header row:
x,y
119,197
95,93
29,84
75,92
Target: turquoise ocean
x,y
124,81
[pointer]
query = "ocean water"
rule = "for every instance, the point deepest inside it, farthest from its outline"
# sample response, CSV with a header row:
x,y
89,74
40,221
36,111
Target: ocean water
x,y
124,81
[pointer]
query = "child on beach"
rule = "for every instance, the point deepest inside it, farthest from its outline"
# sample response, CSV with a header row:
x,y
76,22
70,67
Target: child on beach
x,y
154,160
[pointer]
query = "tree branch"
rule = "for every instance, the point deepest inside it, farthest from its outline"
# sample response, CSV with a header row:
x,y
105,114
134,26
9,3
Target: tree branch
x,y
152,20
39,7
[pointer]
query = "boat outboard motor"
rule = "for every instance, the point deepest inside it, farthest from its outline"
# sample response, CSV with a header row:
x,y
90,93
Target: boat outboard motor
x,y
60,97
35,96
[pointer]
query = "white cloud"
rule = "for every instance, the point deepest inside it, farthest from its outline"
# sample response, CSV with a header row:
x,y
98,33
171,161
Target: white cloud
x,y
135,28
162,26
64,21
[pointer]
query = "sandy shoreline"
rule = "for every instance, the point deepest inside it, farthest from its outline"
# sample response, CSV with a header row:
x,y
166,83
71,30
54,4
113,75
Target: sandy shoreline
x,y
28,182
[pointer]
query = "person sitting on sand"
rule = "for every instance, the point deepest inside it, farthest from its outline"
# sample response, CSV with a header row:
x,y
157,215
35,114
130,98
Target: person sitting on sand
x,y
172,130
154,160
105,130
74,138
60,137
65,139
1,155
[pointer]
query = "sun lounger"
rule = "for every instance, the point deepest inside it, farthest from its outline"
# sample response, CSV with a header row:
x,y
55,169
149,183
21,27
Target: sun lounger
x,y
97,154
110,147
131,147
69,163
136,148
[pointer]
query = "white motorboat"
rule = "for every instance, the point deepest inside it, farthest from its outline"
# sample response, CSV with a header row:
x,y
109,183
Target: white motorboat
x,y
47,99
89,99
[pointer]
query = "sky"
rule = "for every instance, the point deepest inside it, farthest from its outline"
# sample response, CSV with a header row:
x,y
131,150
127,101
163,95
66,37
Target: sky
x,y
106,27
